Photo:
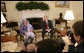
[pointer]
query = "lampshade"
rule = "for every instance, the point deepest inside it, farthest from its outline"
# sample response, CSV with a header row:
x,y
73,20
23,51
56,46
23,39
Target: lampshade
x,y
3,20
69,15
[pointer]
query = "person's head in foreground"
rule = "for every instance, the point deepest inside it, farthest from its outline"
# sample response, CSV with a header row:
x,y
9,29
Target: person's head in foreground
x,y
30,48
78,31
49,45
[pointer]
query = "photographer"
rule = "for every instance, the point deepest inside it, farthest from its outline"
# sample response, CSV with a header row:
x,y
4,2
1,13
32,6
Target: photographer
x,y
77,36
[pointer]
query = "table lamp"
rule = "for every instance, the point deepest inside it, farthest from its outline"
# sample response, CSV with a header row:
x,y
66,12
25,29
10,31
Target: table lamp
x,y
3,20
69,16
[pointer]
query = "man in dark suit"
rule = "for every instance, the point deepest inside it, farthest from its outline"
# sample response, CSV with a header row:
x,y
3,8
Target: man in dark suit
x,y
47,27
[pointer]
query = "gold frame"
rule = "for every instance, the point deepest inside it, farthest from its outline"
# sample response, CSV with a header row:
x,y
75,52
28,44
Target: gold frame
x,y
31,1
61,5
3,9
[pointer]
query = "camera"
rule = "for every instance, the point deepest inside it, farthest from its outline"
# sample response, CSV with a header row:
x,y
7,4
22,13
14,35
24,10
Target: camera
x,y
72,36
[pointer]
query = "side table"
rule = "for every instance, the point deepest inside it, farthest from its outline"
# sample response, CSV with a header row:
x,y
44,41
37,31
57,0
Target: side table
x,y
12,37
8,38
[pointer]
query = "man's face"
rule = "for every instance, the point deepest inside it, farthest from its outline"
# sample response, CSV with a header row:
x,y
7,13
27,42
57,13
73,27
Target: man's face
x,y
45,18
77,38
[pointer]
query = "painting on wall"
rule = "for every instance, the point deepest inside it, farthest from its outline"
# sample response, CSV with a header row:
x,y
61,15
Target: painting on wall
x,y
62,4
3,7
31,1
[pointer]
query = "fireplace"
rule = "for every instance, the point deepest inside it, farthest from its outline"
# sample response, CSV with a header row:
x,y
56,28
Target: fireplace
x,y
36,22
35,17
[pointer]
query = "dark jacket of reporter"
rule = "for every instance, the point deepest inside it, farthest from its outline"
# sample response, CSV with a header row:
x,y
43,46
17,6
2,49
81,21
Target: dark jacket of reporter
x,y
78,48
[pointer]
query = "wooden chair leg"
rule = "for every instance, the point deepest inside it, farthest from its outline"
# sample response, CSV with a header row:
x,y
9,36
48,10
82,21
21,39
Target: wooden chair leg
x,y
18,37
35,39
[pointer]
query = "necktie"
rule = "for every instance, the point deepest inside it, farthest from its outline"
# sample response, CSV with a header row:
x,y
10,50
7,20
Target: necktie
x,y
47,24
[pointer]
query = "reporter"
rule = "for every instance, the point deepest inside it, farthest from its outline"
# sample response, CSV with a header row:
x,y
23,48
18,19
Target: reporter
x,y
78,36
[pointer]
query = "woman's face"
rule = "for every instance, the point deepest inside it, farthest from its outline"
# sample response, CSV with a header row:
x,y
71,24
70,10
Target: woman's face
x,y
25,22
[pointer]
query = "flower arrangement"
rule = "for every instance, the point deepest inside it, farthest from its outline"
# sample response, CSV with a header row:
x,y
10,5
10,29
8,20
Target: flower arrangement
x,y
31,5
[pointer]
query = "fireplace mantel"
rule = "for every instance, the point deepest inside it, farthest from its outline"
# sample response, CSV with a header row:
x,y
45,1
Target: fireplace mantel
x,y
32,13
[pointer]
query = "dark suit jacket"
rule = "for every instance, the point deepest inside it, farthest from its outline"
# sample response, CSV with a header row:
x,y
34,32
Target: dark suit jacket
x,y
50,25
79,48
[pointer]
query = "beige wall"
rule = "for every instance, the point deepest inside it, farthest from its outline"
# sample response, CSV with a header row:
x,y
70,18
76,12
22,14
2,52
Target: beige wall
x,y
53,13
76,6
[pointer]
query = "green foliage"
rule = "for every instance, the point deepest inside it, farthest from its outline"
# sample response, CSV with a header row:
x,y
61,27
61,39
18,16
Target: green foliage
x,y
31,5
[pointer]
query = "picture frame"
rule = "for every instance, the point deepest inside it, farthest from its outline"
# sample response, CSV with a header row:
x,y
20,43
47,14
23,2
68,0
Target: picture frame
x,y
3,7
30,1
62,4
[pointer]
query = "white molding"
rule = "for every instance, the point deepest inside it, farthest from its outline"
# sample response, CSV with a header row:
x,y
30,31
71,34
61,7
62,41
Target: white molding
x,y
32,13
